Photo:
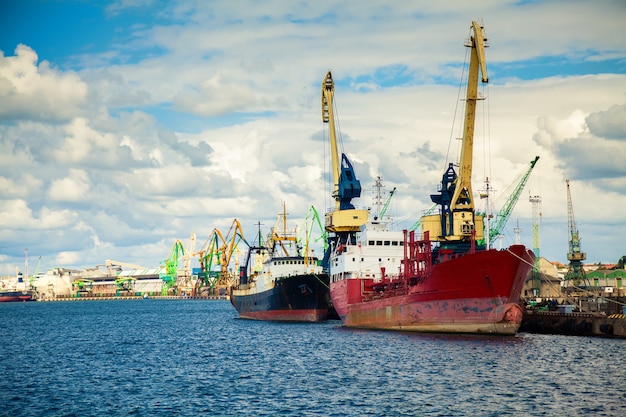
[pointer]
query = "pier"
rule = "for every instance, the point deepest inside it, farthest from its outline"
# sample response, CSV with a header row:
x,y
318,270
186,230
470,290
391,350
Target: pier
x,y
574,324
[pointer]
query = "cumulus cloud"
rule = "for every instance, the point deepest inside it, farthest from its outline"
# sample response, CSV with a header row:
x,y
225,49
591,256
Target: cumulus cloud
x,y
73,188
588,147
85,146
197,154
610,124
214,97
17,215
212,111
37,91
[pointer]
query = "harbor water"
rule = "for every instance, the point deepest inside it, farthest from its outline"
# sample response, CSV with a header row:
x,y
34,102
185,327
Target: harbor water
x,y
197,358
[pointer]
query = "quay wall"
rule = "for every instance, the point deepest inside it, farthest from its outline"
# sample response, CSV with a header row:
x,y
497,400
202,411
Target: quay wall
x,y
574,324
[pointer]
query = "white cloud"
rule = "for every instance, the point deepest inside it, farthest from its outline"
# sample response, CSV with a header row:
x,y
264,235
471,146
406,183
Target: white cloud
x,y
17,215
39,92
73,188
215,114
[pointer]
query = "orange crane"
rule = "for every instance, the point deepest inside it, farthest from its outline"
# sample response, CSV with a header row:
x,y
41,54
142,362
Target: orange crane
x,y
218,250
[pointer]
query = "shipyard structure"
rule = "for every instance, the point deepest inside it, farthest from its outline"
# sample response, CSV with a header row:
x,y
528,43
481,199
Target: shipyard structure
x,y
112,279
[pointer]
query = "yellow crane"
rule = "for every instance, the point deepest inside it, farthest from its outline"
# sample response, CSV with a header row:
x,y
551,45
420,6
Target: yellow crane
x,y
219,249
344,217
457,220
344,220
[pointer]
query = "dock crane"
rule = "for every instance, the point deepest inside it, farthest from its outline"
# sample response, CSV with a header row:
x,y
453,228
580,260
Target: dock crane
x,y
503,215
208,253
310,221
576,273
219,249
457,224
344,221
171,268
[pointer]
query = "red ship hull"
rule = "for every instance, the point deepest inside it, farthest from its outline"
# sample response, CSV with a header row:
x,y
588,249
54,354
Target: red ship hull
x,y
312,315
472,293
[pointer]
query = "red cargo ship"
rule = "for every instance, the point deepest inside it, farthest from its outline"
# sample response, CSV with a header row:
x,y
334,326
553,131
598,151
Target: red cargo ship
x,y
447,281
473,292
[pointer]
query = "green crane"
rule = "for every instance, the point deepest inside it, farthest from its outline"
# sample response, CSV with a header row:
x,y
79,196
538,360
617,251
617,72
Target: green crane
x,y
381,215
312,219
503,215
576,273
171,267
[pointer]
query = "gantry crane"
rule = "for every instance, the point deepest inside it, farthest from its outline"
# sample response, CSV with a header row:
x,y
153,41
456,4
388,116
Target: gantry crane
x,y
576,273
457,221
344,220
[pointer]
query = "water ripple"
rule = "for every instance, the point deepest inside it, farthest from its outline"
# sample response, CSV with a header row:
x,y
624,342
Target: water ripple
x,y
189,358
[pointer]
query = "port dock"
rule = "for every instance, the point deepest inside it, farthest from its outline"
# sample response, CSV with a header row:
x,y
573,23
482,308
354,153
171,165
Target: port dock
x,y
574,324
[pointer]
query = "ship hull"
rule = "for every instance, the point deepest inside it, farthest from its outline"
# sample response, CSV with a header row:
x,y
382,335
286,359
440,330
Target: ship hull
x,y
15,296
302,297
474,293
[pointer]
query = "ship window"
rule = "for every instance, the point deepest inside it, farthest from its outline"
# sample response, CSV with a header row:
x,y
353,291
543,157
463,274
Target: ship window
x,y
353,259
387,243
370,242
401,243
394,243
379,243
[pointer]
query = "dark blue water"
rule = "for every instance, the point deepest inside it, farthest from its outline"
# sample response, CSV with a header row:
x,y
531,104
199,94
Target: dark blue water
x,y
196,358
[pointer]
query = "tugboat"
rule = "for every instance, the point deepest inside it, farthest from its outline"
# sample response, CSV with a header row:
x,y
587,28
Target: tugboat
x,y
447,280
284,283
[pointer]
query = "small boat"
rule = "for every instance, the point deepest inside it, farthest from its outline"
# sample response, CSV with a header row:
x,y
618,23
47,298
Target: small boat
x,y
283,283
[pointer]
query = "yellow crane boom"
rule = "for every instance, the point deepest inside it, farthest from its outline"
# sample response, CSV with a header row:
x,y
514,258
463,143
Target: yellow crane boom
x,y
344,217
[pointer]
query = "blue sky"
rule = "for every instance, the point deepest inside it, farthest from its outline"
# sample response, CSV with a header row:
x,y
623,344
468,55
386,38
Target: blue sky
x,y
126,125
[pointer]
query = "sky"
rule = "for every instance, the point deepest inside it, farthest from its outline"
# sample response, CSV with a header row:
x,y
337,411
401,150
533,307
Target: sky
x,y
127,125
